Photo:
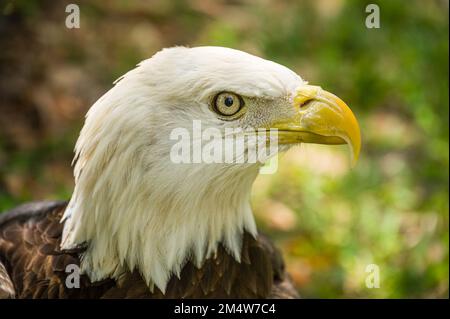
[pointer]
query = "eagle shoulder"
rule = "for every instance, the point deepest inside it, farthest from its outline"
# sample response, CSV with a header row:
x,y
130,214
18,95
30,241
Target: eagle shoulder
x,y
28,210
30,256
6,286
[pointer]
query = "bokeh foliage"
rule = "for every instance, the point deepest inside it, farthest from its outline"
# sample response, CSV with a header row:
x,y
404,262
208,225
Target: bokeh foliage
x,y
331,221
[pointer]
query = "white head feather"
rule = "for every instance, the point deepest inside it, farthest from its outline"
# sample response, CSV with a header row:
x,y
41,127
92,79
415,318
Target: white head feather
x,y
131,204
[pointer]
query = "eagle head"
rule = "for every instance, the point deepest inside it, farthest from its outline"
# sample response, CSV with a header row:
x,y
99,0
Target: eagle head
x,y
145,199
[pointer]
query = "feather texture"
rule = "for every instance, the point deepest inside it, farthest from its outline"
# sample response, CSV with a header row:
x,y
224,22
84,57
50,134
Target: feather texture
x,y
35,267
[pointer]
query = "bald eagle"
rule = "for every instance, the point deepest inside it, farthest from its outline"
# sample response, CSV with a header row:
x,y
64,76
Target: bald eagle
x,y
139,224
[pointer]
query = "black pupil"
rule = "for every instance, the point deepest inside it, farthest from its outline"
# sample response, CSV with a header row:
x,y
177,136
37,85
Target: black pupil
x,y
229,101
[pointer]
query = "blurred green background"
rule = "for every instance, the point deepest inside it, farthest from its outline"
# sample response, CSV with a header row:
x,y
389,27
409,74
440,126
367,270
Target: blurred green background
x,y
331,221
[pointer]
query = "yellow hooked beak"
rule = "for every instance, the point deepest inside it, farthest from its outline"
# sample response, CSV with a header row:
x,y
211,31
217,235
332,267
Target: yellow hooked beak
x,y
322,118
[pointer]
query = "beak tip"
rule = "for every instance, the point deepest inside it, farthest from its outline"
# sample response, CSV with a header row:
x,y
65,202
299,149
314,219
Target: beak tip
x,y
353,140
355,152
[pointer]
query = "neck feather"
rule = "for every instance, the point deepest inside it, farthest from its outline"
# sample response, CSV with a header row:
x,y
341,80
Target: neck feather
x,y
155,217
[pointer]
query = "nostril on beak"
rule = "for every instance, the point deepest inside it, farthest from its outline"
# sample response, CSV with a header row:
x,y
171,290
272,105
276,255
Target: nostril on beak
x,y
305,95
301,101
305,103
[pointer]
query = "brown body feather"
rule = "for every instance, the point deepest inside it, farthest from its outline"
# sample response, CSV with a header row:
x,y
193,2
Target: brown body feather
x,y
33,266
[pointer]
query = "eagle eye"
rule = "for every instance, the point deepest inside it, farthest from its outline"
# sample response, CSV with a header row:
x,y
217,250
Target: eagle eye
x,y
227,104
